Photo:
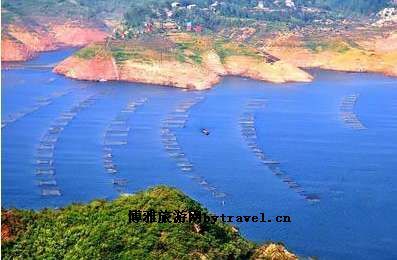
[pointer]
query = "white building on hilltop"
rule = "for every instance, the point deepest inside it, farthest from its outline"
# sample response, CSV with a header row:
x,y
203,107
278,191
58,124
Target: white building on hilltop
x,y
290,3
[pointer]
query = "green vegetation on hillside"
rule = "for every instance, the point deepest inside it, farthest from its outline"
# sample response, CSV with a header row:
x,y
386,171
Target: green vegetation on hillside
x,y
100,230
349,7
189,50
226,48
90,52
318,46
210,15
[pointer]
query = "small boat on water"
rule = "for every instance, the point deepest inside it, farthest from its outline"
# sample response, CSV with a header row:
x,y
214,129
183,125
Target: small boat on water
x,y
205,131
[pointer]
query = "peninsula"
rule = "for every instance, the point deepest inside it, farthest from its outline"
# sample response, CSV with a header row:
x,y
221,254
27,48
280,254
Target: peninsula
x,y
193,45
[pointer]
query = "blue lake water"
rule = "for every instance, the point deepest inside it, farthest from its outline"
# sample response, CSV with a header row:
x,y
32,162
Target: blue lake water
x,y
290,149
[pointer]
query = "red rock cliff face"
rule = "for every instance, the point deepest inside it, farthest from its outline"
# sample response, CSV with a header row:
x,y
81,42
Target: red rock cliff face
x,y
98,68
36,40
77,36
22,43
12,50
175,73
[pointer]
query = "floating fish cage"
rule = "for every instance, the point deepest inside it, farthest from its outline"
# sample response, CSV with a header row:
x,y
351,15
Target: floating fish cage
x,y
293,185
50,138
123,117
115,143
118,131
185,164
173,149
219,194
210,188
170,138
174,121
118,122
176,125
178,115
197,178
347,114
44,146
119,127
203,182
261,156
51,192
44,165
108,160
111,170
45,153
186,168
270,162
312,197
60,122
107,156
120,181
116,135
55,130
45,171
107,149
176,154
47,183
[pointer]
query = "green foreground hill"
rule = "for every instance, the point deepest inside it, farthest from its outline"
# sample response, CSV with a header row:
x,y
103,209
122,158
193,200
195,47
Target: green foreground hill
x,y
101,230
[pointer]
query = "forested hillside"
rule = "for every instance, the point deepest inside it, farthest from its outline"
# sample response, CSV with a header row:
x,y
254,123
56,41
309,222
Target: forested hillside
x,y
104,230
349,7
210,13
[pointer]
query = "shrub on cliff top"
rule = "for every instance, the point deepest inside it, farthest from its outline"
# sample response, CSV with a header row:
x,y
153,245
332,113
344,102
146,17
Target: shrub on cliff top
x,y
331,45
91,51
225,49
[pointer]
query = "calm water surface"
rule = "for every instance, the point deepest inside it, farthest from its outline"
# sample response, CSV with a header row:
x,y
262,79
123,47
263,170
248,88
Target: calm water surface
x,y
337,183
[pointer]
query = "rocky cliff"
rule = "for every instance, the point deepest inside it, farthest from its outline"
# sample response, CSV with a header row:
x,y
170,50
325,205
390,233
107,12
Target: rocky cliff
x,y
376,54
20,43
186,65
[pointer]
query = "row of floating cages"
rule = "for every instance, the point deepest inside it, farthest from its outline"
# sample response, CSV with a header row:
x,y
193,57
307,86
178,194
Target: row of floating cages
x,y
170,122
116,135
257,103
120,181
39,103
178,119
132,106
44,161
108,164
350,99
347,114
248,130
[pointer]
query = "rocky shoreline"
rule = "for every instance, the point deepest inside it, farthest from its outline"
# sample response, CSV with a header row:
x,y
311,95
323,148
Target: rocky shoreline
x,y
289,56
22,43
180,74
374,54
